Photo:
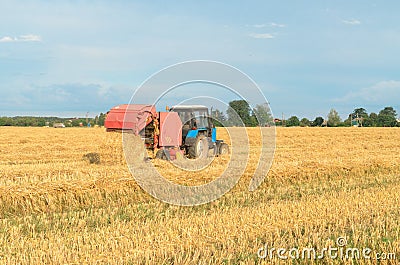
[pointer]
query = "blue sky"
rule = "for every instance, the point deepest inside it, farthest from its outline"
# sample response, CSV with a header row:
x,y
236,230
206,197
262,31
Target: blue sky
x,y
66,58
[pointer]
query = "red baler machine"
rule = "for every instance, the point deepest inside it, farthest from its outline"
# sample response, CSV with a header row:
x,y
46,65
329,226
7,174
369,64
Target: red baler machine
x,y
159,130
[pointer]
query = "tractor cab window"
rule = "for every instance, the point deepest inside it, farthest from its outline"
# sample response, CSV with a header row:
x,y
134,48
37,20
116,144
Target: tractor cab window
x,y
187,118
201,119
194,118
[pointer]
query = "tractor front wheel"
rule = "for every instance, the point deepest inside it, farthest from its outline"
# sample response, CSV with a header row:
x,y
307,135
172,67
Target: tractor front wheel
x,y
223,149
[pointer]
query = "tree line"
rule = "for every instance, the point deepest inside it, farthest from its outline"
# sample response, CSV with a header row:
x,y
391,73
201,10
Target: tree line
x,y
240,113
387,117
26,121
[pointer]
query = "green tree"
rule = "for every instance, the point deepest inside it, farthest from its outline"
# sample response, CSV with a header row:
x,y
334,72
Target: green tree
x,y
333,118
76,122
102,118
318,121
347,122
239,112
358,116
293,121
372,120
6,121
218,117
305,122
263,115
361,112
387,117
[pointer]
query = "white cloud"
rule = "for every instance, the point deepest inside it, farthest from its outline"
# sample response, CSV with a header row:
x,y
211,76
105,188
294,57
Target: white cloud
x,y
7,39
30,37
262,35
385,92
276,25
259,25
272,24
22,38
352,22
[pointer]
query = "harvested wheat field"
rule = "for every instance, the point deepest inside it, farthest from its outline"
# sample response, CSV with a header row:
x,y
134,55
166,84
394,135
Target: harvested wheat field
x,y
325,183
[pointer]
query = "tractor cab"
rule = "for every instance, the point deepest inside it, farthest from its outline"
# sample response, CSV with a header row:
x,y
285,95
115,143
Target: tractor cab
x,y
194,119
198,131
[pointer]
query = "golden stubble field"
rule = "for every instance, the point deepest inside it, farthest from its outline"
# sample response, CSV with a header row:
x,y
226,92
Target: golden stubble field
x,y
325,183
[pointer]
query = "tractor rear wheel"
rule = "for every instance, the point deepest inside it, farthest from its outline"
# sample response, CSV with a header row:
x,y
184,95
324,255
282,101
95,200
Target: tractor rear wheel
x,y
199,149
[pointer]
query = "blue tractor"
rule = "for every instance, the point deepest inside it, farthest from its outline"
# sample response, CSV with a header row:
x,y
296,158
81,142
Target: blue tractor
x,y
199,134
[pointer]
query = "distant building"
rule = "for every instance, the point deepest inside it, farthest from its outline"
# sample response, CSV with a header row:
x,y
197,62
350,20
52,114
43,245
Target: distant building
x,y
58,125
